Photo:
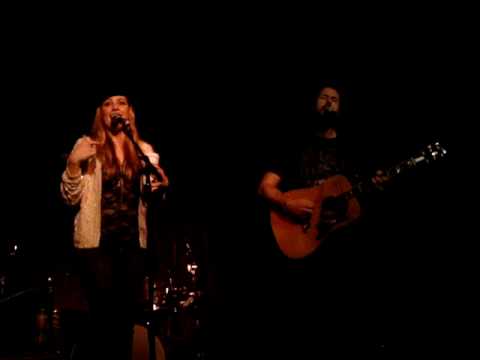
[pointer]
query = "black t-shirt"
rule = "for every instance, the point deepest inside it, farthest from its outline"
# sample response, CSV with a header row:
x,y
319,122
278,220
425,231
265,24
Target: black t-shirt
x,y
312,160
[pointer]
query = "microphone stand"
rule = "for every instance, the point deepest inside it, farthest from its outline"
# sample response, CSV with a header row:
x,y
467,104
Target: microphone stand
x,y
148,169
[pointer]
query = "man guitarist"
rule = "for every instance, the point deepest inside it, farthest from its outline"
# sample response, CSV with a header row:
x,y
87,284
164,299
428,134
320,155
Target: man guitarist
x,y
313,287
319,159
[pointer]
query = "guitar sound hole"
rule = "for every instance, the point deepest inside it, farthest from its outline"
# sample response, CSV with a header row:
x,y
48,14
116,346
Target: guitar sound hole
x,y
334,210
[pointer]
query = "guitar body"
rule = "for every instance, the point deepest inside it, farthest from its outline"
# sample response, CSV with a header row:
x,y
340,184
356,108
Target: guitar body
x,y
297,240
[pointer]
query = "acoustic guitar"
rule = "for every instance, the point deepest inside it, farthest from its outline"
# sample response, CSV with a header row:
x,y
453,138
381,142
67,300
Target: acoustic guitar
x,y
335,206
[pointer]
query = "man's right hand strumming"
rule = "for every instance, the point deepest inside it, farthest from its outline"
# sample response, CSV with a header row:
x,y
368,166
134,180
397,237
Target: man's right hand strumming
x,y
299,209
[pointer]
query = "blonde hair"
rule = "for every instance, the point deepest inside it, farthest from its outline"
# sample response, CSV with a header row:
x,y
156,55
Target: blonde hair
x,y
105,151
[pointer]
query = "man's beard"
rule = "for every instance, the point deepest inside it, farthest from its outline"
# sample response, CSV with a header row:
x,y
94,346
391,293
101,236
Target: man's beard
x,y
321,122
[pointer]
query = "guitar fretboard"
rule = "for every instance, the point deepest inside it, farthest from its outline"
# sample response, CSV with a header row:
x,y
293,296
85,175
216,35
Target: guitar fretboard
x,y
433,152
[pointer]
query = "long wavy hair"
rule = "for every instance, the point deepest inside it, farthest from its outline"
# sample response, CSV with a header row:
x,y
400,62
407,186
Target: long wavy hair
x,y
106,152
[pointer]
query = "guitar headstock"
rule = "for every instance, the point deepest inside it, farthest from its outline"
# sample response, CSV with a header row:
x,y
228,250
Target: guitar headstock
x,y
431,153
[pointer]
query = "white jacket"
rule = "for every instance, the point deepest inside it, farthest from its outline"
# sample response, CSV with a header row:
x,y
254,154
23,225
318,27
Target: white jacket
x,y
86,191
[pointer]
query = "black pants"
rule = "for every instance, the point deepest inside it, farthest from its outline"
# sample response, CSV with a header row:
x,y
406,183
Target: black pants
x,y
113,281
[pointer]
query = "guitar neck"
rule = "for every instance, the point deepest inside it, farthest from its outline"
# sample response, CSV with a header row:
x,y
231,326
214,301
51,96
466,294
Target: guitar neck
x,y
366,185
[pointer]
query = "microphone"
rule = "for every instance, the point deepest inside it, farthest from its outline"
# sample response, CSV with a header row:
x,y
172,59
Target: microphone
x,y
327,108
118,120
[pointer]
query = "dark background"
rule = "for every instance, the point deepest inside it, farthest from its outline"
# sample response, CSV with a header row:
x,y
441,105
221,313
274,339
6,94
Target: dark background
x,y
214,107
